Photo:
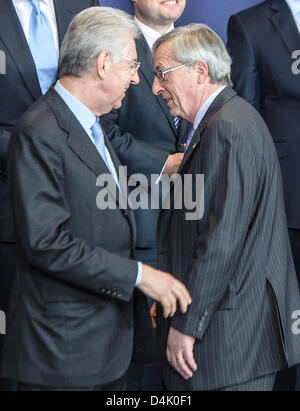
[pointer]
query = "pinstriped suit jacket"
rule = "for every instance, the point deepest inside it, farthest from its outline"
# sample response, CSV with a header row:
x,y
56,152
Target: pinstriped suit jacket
x,y
236,261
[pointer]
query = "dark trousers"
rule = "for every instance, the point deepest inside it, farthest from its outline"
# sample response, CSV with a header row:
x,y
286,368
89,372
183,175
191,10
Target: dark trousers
x,y
7,273
119,385
145,377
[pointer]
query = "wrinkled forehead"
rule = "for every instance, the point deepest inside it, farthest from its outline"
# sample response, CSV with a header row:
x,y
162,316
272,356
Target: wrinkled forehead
x,y
164,55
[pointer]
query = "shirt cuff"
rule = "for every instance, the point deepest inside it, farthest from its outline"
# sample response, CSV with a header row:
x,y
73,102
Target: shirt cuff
x,y
161,173
139,274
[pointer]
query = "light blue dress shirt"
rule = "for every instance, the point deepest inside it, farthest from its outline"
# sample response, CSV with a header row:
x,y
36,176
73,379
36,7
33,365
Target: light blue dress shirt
x,y
86,118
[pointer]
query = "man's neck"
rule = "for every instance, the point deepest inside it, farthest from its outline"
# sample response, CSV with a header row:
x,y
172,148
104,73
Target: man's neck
x,y
81,89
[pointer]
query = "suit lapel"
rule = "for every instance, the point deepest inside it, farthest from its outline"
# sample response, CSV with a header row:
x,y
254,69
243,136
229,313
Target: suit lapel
x,y
12,35
285,25
80,143
219,101
64,13
146,71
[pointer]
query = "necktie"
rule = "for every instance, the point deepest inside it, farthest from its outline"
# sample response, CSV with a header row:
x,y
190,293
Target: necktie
x,y
189,137
99,142
42,47
176,121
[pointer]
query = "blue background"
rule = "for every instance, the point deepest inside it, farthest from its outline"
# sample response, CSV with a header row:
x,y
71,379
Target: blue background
x,y
214,13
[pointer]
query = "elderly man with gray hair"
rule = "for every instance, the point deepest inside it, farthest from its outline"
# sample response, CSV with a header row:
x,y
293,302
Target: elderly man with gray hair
x,y
70,324
236,261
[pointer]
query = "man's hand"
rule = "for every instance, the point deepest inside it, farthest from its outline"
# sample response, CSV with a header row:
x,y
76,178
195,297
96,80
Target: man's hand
x,y
173,163
180,353
153,314
165,289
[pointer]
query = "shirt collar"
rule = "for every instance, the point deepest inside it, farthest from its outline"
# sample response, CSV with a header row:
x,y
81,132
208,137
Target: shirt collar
x,y
83,114
47,2
294,5
205,106
150,34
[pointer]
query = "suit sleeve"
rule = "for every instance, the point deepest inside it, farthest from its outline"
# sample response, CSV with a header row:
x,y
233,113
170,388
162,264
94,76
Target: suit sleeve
x,y
41,211
244,70
230,175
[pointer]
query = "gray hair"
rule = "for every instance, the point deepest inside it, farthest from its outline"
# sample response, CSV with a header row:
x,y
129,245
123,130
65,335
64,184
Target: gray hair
x,y
92,31
199,42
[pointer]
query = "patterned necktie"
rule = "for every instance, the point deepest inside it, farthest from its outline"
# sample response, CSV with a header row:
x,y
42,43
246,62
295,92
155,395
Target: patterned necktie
x,y
176,122
99,142
189,137
42,47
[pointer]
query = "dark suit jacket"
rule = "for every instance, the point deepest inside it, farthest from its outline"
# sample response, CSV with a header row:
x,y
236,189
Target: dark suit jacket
x,y
261,41
19,87
143,137
6,218
236,261
70,322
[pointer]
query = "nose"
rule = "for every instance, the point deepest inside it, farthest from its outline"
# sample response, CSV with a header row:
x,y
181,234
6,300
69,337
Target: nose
x,y
156,87
135,78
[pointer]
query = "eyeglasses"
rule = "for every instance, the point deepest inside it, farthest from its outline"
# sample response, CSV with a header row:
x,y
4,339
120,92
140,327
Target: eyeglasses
x,y
133,69
160,74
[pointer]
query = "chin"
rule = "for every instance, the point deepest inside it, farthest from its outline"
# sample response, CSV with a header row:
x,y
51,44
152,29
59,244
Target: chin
x,y
117,105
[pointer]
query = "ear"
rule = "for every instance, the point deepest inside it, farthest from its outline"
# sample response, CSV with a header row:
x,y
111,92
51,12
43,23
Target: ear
x,y
202,70
103,64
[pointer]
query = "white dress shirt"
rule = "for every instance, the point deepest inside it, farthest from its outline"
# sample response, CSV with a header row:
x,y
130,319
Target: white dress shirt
x,y
150,34
24,9
294,6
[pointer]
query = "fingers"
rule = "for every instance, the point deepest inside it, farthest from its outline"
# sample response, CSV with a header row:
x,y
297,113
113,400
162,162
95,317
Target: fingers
x,y
169,303
183,296
190,361
179,363
153,314
176,295
166,289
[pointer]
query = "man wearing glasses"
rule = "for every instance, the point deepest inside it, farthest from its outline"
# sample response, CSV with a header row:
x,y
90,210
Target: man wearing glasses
x,y
236,260
145,136
71,322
